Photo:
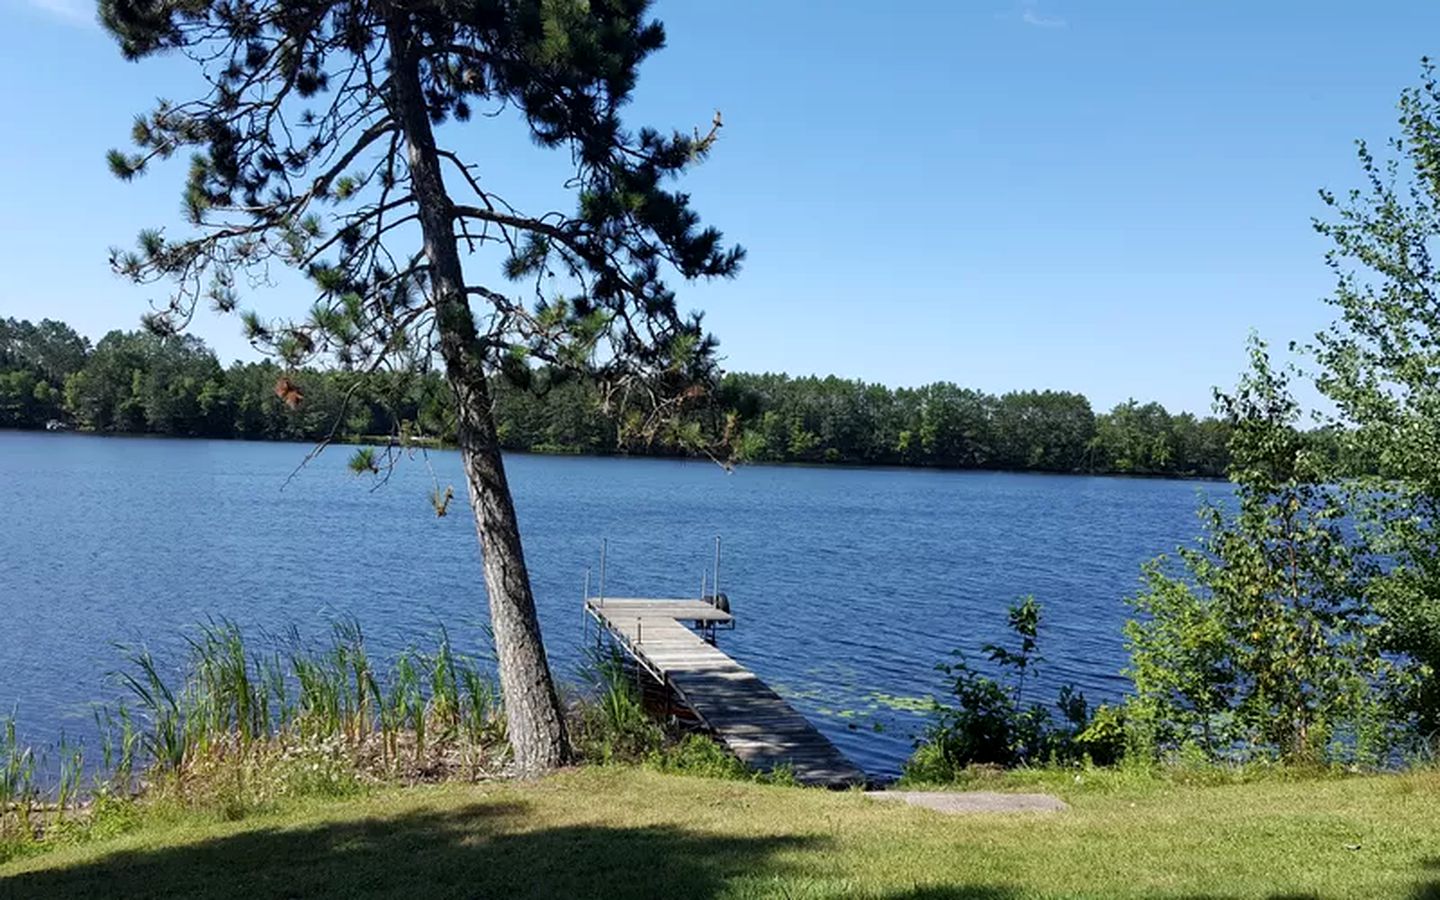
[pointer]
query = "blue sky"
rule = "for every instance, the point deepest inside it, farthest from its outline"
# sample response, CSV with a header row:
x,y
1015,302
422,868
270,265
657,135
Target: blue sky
x,y
1102,196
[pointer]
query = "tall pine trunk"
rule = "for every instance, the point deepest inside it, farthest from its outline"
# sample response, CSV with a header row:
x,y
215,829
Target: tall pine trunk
x,y
532,708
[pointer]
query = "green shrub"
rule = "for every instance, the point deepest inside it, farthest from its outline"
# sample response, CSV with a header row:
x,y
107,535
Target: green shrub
x,y
991,723
1104,739
696,754
930,764
111,815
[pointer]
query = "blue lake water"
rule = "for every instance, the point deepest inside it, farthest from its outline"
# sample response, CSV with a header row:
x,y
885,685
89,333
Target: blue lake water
x,y
849,585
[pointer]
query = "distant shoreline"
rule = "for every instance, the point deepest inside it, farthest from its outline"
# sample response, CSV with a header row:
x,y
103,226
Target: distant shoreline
x,y
437,444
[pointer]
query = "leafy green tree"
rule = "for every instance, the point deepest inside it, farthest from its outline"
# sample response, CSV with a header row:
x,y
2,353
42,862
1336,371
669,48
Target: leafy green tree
x,y
52,349
18,400
1044,430
1200,446
216,406
1379,362
831,419
103,394
955,425
35,360
1258,640
331,141
1181,661
176,371
1134,438
136,382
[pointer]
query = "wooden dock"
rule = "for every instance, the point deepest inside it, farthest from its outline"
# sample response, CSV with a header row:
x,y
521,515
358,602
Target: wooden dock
x,y
747,716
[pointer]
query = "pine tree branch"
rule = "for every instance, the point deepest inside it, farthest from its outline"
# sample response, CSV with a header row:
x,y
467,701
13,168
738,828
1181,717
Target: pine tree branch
x,y
321,186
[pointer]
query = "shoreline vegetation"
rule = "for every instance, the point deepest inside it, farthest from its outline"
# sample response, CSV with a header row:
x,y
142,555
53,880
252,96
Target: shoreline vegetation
x,y
207,778
249,720
138,383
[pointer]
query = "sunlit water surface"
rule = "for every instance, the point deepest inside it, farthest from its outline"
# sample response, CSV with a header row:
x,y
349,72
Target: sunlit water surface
x,y
849,585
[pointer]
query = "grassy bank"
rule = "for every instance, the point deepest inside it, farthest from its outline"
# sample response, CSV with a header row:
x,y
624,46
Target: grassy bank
x,y
628,832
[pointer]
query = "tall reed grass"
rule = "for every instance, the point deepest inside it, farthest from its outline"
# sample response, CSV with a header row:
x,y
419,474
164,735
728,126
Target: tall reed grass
x,y
18,793
613,725
429,709
238,701
243,719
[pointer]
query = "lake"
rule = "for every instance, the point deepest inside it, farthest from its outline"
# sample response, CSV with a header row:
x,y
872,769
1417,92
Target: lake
x,y
849,585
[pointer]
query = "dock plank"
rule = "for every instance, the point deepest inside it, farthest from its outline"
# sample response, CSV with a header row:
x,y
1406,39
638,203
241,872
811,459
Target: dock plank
x,y
746,715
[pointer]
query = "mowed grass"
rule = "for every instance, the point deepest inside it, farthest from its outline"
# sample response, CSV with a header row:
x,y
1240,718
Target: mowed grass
x,y
626,832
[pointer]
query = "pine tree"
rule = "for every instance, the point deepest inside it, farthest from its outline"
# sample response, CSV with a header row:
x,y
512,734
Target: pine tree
x,y
326,142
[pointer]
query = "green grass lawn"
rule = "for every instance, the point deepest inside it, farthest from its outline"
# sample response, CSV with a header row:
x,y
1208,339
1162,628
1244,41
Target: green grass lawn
x,y
623,832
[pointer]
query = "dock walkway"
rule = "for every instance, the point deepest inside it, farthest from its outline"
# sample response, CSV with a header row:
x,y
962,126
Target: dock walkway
x,y
747,716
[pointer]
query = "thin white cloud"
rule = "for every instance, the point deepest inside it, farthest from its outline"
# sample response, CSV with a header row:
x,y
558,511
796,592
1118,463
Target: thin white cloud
x,y
1039,20
76,12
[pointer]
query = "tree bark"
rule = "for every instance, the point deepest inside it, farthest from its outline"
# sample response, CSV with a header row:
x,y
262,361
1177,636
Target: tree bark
x,y
532,708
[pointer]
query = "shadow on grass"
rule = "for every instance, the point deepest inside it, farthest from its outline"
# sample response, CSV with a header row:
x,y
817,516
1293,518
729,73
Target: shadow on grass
x,y
1429,889
480,850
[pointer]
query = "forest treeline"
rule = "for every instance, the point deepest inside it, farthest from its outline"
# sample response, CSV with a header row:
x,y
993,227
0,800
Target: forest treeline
x,y
136,382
